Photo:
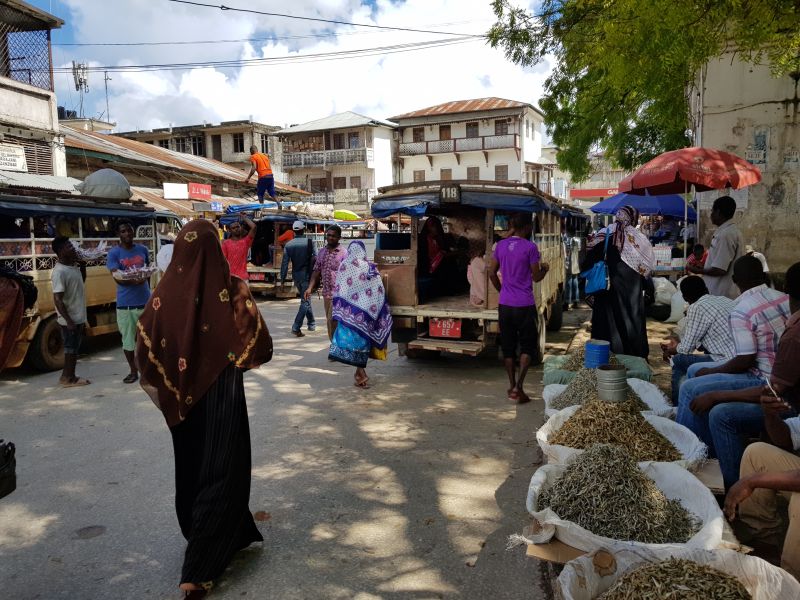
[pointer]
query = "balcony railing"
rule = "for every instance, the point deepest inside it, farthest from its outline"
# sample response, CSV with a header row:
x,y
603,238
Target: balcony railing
x,y
321,158
347,197
484,142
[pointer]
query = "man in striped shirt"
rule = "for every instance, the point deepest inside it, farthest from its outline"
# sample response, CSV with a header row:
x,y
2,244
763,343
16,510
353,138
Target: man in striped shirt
x,y
757,322
707,328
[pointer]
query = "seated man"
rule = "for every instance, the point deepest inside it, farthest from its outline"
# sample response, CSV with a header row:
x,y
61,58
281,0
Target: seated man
x,y
707,326
735,415
757,322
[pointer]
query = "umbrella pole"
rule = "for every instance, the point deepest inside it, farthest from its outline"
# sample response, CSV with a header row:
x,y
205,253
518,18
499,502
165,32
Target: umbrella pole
x,y
686,222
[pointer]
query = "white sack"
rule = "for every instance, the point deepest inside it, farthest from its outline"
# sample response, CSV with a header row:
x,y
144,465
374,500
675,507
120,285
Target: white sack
x,y
685,441
664,290
580,580
674,481
106,183
678,310
648,392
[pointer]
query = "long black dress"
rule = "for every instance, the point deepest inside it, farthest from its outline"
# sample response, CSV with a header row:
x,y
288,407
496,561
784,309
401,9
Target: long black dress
x,y
212,479
618,315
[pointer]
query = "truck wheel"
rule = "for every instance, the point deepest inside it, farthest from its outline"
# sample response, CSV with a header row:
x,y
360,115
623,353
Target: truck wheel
x,y
539,357
556,313
47,348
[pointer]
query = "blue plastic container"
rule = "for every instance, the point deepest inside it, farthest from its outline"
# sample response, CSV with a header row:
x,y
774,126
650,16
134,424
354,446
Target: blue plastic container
x,y
598,352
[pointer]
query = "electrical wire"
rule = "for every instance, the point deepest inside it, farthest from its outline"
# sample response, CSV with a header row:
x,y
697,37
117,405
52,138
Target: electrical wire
x,y
292,58
319,20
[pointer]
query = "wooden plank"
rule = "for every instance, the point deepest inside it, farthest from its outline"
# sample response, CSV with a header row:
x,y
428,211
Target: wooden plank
x,y
442,345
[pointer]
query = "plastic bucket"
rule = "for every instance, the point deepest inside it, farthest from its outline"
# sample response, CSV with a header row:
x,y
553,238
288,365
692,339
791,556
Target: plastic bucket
x,y
598,352
612,383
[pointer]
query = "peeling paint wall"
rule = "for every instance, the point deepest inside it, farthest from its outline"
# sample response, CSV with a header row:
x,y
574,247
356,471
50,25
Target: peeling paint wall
x,y
741,108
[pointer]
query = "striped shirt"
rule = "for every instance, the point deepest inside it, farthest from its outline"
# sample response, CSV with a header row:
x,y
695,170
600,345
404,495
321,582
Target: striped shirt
x,y
708,325
757,322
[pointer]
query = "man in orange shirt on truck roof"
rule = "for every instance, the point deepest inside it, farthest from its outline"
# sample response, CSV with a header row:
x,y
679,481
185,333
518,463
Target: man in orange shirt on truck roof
x,y
266,182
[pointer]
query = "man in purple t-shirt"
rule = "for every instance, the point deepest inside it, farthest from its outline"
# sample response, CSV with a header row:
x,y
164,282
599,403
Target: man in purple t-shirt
x,y
518,259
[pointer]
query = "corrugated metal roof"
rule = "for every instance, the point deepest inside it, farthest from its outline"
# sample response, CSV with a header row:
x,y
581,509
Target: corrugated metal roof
x,y
155,155
338,121
465,106
154,197
38,182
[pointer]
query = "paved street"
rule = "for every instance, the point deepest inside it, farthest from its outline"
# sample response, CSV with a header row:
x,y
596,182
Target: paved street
x,y
406,490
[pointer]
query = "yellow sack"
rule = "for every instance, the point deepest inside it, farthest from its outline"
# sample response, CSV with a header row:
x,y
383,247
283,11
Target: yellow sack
x,y
378,353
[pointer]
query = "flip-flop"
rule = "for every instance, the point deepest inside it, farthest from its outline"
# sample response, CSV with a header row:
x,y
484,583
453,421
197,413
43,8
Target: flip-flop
x,y
77,383
130,378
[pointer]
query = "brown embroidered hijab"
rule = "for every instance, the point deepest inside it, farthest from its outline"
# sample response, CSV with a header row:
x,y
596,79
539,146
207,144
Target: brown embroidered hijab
x,y
198,321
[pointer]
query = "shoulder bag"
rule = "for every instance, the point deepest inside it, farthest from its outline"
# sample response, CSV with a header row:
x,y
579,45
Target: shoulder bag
x,y
597,276
8,469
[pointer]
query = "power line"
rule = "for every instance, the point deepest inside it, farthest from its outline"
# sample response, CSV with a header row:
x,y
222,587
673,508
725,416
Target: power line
x,y
317,19
292,58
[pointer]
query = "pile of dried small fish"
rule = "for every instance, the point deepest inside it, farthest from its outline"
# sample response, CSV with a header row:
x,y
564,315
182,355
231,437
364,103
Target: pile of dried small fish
x,y
618,423
583,388
676,579
576,359
604,491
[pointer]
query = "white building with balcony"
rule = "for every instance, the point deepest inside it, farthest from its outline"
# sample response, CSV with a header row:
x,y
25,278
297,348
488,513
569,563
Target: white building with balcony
x,y
31,145
490,139
341,159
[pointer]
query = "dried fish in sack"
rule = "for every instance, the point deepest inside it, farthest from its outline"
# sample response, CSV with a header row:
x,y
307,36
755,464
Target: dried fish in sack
x,y
583,388
604,491
676,579
618,423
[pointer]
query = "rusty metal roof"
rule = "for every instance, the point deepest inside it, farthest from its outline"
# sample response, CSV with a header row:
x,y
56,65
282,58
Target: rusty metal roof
x,y
465,106
155,155
154,197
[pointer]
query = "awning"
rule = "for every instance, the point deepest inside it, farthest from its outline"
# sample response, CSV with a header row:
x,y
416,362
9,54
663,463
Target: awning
x,y
413,205
32,181
501,201
31,209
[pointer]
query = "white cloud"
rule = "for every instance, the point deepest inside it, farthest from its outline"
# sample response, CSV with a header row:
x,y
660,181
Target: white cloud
x,y
378,86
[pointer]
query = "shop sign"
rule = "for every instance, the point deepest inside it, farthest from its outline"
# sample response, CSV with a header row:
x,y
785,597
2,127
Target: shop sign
x,y
176,191
199,191
12,158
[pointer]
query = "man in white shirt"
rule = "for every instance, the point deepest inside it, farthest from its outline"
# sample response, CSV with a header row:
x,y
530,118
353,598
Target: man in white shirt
x,y
726,248
69,298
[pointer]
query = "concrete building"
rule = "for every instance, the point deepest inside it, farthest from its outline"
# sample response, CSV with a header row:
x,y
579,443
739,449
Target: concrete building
x,y
31,146
741,108
561,180
601,184
341,159
490,139
228,142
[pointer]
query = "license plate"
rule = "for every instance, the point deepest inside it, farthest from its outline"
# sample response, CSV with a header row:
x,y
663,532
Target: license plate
x,y
449,328
256,276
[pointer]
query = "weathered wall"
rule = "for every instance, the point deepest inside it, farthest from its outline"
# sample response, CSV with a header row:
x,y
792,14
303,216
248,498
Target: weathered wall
x,y
742,109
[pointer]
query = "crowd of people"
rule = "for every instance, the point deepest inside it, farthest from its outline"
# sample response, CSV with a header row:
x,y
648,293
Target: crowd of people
x,y
734,374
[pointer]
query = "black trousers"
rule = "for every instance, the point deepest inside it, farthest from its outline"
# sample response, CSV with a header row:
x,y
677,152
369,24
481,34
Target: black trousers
x,y
212,479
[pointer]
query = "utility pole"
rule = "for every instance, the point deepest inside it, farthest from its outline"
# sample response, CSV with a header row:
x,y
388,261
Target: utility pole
x,y
107,79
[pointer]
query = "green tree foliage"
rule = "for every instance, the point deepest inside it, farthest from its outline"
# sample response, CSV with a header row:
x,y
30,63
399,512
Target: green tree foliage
x,y
623,68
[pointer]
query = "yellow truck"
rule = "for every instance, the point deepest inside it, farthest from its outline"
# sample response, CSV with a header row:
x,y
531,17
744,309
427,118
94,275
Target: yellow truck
x,y
27,227
474,215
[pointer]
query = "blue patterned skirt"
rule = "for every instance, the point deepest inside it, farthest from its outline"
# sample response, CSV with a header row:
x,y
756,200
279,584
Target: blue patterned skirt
x,y
349,347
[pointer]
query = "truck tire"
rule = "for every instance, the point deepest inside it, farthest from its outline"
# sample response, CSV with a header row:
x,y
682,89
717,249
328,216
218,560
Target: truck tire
x,y
556,319
538,358
47,348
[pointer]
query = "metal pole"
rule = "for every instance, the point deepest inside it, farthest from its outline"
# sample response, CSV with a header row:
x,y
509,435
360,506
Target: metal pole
x,y
107,79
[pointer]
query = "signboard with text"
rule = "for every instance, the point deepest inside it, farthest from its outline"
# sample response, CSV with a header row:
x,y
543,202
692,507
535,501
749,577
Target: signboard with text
x,y
593,193
12,158
199,191
176,191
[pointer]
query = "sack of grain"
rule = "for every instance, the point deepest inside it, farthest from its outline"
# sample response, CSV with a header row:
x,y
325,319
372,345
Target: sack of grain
x,y
647,391
589,576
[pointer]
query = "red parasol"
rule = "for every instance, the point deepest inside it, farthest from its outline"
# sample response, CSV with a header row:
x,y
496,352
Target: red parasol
x,y
677,171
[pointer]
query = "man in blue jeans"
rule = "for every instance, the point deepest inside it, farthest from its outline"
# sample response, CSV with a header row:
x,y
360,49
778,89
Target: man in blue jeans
x,y
707,327
704,402
301,252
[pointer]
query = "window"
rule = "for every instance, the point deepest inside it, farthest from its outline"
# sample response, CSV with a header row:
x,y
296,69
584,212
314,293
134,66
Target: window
x,y
198,145
181,145
339,183
501,172
419,134
419,175
501,127
473,173
472,130
163,144
264,143
527,128
444,132
338,141
445,174
238,142
354,139
355,182
318,185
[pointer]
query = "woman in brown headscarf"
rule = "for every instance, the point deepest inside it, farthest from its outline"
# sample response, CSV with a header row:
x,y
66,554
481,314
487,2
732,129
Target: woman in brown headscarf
x,y
200,331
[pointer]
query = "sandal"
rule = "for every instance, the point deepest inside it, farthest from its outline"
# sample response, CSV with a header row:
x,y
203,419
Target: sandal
x,y
131,378
77,382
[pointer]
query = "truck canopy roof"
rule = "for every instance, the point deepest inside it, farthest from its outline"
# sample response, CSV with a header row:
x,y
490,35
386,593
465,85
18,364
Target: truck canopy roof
x,y
24,206
415,199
